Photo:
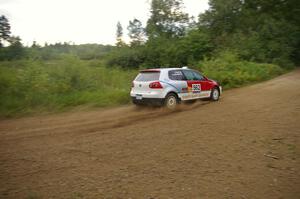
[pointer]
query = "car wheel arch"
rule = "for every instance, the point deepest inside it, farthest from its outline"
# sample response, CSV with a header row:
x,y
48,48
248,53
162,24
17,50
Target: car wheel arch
x,y
173,92
217,87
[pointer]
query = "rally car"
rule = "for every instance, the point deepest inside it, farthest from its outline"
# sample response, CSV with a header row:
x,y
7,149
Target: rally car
x,y
170,86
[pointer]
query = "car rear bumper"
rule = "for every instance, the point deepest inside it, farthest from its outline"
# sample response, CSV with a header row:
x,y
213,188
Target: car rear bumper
x,y
148,101
155,93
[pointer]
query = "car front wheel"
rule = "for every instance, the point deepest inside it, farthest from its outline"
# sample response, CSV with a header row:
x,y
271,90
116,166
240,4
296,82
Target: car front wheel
x,y
215,94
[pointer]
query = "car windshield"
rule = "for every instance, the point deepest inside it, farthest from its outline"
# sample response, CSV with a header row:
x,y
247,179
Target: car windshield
x,y
189,75
148,76
192,75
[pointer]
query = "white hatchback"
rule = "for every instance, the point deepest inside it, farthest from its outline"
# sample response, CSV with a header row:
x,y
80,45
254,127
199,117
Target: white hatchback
x,y
170,86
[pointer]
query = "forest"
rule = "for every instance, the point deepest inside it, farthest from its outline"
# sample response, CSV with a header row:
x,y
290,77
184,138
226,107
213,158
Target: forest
x,y
236,42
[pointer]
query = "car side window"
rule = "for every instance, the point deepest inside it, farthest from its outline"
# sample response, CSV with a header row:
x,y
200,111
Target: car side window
x,y
189,75
176,75
198,76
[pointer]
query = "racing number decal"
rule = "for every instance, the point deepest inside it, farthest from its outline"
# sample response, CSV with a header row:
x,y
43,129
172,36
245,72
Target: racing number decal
x,y
196,88
193,92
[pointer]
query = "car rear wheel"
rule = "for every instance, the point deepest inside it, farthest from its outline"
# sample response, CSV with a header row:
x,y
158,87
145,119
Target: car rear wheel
x,y
171,101
215,94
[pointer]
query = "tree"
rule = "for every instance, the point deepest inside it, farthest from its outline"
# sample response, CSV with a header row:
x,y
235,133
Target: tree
x,y
136,32
4,30
167,19
119,35
35,45
256,30
222,17
14,51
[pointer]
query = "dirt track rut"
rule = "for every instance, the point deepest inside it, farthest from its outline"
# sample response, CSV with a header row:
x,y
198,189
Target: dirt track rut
x,y
244,146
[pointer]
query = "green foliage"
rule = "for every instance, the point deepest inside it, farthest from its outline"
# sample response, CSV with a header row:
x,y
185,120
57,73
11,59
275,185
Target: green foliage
x,y
58,50
136,32
190,49
222,16
53,51
167,19
164,52
126,57
259,30
14,51
231,72
247,28
29,86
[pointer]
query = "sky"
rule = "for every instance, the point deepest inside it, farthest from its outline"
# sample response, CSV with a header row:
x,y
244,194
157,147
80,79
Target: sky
x,y
78,21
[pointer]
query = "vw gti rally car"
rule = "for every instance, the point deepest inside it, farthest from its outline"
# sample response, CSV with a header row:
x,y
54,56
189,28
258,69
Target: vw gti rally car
x,y
170,86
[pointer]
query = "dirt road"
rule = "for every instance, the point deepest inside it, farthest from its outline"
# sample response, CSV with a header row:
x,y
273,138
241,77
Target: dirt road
x,y
244,146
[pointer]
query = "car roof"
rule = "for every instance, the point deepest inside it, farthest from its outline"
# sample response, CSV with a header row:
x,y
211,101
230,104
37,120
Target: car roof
x,y
161,69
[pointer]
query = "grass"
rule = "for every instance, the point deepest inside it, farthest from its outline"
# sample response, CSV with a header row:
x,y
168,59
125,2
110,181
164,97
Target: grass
x,y
31,87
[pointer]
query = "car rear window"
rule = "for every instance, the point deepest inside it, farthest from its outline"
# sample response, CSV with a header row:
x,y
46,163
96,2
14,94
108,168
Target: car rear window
x,y
148,76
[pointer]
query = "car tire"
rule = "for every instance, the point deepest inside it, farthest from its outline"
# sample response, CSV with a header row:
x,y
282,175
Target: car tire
x,y
171,101
215,94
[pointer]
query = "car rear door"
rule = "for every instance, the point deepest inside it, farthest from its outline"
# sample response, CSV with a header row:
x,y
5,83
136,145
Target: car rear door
x,y
177,80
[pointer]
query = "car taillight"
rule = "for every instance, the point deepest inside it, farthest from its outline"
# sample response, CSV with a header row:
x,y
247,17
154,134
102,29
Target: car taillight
x,y
155,85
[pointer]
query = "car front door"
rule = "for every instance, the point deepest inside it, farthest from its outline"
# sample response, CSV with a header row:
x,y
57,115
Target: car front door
x,y
198,86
